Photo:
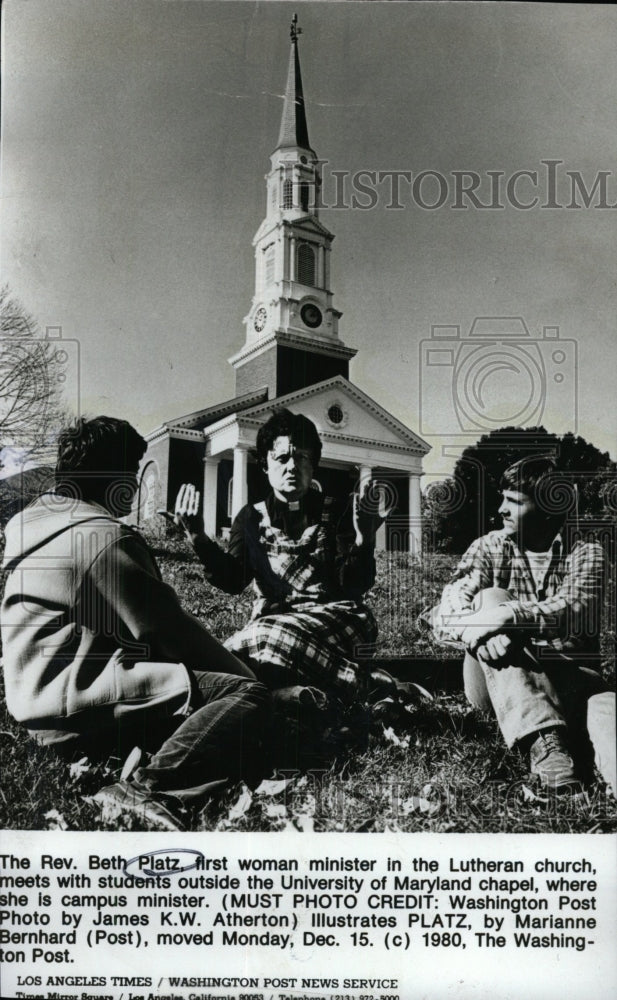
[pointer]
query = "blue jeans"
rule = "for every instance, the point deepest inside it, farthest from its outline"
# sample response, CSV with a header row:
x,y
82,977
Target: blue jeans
x,y
220,740
529,695
601,728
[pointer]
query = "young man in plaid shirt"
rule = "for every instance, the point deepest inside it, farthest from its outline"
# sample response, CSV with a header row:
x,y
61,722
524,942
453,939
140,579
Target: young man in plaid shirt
x,y
526,605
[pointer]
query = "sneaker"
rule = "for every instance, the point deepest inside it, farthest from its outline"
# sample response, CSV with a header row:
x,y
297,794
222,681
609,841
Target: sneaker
x,y
381,685
125,797
551,762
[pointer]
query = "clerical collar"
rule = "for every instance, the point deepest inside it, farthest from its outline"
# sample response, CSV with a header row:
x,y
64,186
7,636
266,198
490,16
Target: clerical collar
x,y
290,506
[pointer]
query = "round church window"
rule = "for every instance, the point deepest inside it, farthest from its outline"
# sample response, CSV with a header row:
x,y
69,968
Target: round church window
x,y
335,414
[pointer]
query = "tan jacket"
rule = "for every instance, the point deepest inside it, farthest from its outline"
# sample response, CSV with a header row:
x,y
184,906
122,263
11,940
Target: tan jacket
x,y
87,622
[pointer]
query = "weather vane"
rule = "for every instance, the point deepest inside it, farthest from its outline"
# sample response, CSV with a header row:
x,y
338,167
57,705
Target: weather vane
x,y
294,30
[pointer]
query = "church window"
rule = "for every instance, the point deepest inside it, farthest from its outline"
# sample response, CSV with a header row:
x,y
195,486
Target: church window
x,y
288,194
335,414
274,197
148,493
269,266
306,264
304,197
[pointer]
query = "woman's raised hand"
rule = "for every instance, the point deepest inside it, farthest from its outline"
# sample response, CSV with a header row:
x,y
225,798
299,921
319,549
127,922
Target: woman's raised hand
x,y
186,513
372,504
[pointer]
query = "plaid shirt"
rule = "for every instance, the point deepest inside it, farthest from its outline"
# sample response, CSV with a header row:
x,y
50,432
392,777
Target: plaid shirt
x,y
564,613
348,570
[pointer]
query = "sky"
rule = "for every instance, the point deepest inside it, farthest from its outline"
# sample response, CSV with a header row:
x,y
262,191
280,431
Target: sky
x,y
135,140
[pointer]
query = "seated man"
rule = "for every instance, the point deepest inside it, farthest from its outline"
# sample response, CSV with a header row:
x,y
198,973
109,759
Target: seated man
x,y
527,608
99,656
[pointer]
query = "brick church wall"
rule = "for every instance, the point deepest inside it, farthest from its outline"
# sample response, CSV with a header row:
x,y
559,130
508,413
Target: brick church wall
x,y
285,369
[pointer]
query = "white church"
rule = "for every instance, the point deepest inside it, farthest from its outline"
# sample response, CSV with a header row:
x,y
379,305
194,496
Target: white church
x,y
292,357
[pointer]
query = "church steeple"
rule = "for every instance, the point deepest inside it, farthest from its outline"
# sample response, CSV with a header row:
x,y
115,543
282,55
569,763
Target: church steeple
x,y
294,130
292,327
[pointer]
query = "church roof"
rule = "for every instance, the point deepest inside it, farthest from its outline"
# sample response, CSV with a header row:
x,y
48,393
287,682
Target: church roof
x,y
294,130
257,413
200,419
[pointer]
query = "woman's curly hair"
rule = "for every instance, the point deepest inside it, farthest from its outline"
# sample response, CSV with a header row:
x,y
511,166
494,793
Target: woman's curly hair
x,y
299,429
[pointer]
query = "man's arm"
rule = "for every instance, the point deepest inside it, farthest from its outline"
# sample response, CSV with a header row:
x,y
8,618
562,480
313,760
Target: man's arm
x,y
473,574
572,612
575,609
125,585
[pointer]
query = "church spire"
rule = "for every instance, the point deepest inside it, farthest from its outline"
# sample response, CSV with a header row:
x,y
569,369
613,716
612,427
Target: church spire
x,y
294,130
292,326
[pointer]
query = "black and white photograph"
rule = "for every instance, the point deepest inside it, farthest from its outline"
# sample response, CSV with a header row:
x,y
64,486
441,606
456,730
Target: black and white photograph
x,y
308,499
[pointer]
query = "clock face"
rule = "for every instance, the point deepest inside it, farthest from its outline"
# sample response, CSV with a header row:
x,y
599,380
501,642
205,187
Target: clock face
x,y
260,319
311,315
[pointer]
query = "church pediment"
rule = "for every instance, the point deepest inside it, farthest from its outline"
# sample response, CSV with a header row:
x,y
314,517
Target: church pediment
x,y
305,225
308,224
343,412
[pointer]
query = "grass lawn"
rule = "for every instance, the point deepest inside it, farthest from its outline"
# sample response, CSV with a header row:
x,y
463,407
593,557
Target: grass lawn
x,y
445,769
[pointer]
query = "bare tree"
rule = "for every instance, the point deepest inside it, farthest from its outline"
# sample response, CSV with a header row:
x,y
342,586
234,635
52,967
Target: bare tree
x,y
32,375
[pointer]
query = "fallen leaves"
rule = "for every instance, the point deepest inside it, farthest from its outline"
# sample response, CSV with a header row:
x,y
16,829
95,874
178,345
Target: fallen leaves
x,y
397,741
296,813
78,768
55,820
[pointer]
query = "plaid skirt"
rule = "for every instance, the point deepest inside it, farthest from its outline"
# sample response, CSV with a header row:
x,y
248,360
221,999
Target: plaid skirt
x,y
317,645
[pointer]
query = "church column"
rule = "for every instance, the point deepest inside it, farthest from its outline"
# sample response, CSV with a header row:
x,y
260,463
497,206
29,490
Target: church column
x,y
326,282
239,494
321,268
210,492
364,476
415,515
286,271
292,259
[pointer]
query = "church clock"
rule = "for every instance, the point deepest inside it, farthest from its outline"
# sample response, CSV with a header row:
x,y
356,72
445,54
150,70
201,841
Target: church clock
x,y
260,318
311,315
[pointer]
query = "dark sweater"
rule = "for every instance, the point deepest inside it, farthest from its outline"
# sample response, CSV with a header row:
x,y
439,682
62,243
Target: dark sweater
x,y
350,568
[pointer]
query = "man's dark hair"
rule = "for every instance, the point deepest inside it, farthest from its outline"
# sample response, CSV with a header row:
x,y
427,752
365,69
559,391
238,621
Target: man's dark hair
x,y
299,429
539,478
92,453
